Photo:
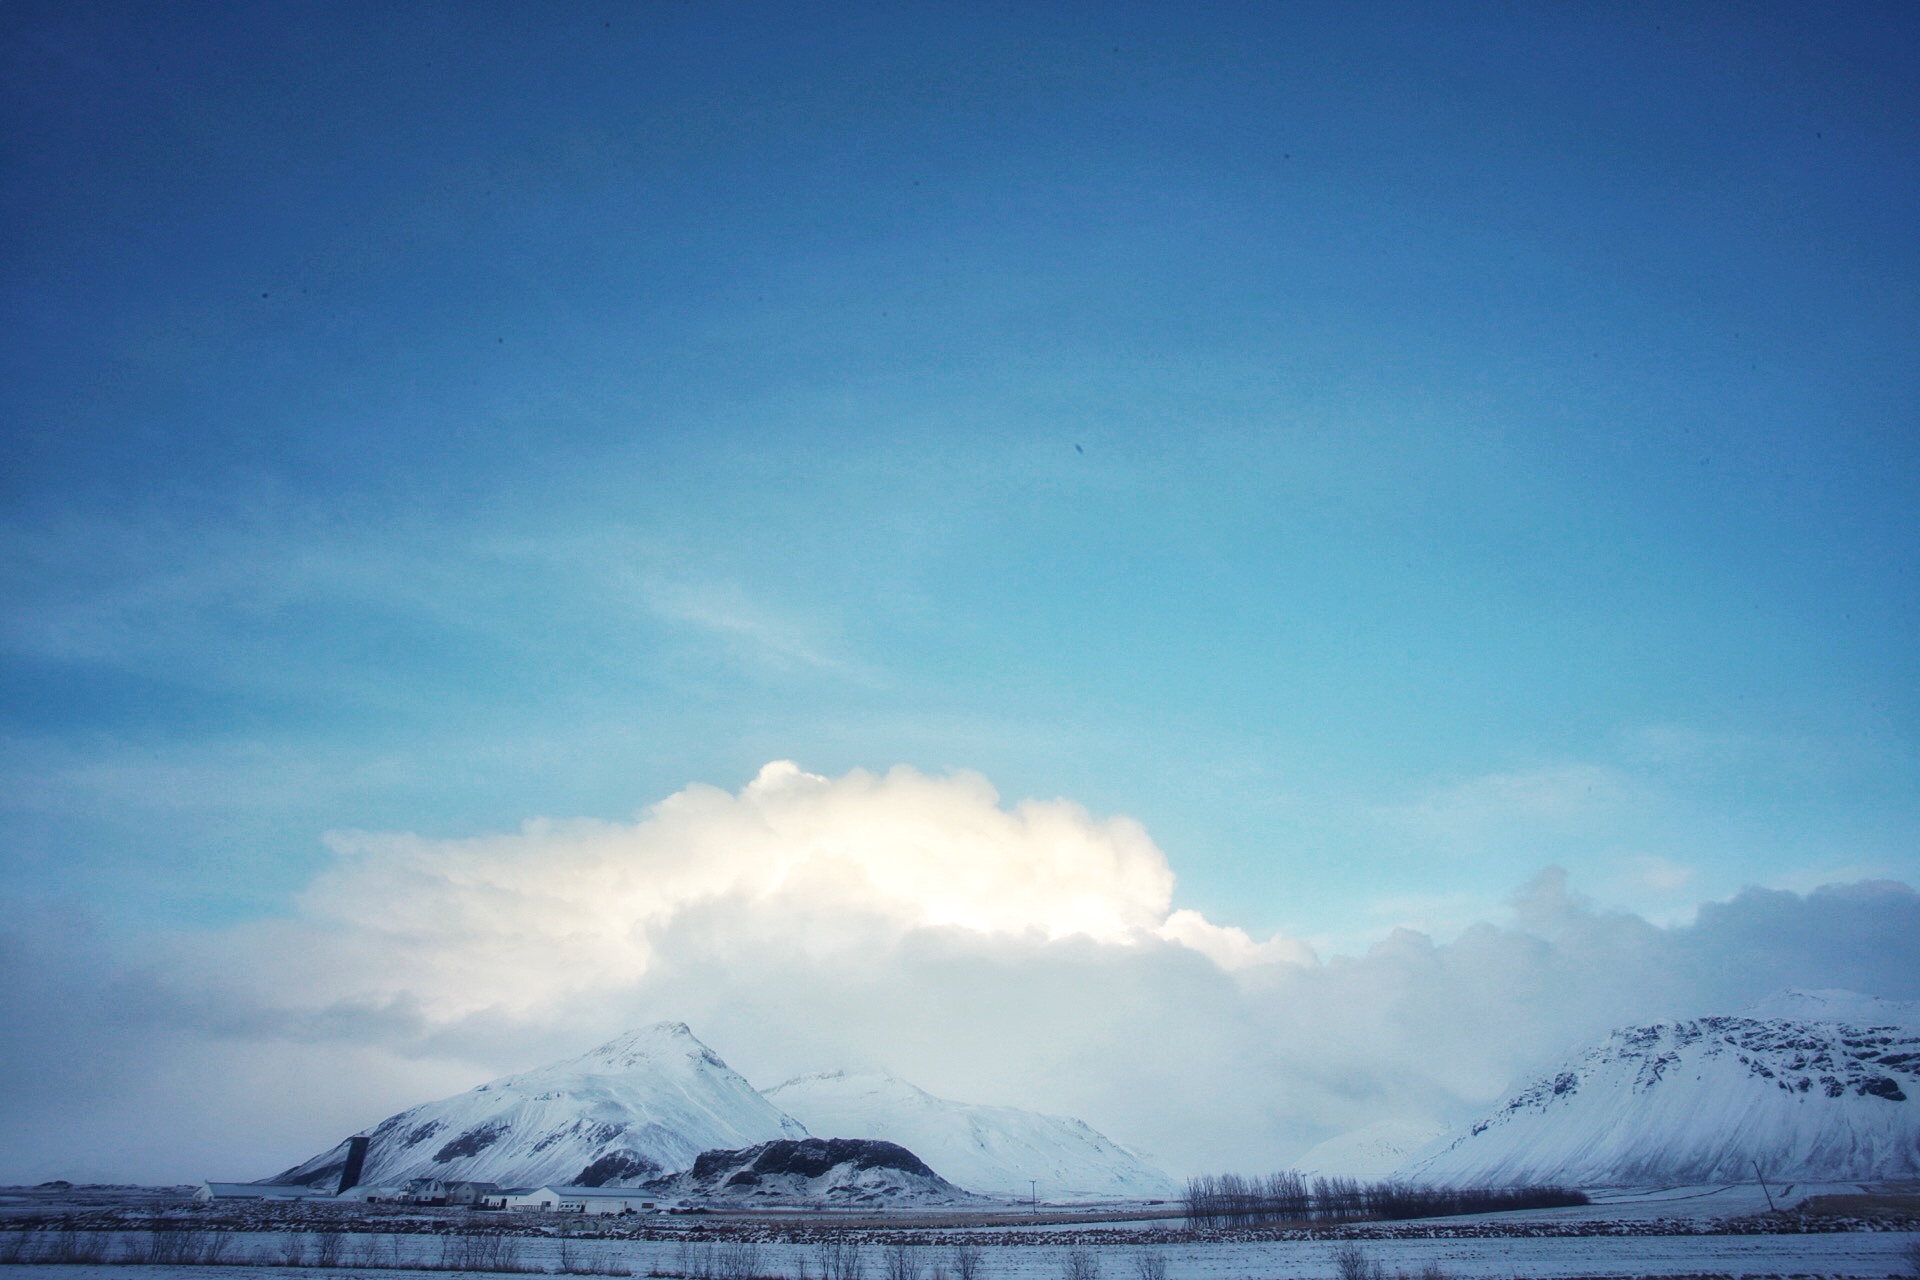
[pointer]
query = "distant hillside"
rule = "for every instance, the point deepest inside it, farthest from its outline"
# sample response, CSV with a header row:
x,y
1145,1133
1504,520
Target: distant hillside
x,y
996,1151
1813,1086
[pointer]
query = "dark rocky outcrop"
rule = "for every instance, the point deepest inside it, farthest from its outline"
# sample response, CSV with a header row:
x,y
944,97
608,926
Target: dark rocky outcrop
x,y
859,1170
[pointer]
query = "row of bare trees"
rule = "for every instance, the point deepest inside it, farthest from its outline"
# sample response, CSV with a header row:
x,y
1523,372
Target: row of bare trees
x,y
1229,1199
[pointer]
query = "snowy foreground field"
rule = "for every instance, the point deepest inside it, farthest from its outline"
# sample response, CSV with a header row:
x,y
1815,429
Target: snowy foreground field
x,y
1699,1231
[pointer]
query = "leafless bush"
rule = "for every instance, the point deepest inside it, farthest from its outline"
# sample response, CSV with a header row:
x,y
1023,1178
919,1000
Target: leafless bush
x,y
1432,1271
71,1244
736,1260
15,1247
480,1251
1080,1263
293,1249
968,1261
1350,1262
579,1258
1912,1254
1150,1264
694,1261
900,1262
840,1258
171,1246
329,1247
378,1251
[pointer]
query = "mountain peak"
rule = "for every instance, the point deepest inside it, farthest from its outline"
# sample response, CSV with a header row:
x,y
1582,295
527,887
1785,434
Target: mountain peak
x,y
659,1044
644,1103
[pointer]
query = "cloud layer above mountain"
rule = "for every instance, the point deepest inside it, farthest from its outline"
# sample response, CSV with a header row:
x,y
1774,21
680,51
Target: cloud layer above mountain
x,y
1029,954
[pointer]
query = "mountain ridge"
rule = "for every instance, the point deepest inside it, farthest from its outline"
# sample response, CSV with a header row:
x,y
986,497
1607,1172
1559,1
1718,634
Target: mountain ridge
x,y
642,1104
1828,1095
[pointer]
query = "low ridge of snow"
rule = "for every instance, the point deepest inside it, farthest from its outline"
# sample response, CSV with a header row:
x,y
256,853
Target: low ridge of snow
x,y
1813,1086
995,1151
1372,1153
641,1105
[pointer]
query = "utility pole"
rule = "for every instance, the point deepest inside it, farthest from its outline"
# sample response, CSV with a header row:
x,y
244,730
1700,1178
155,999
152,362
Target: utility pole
x,y
1763,1186
1033,1194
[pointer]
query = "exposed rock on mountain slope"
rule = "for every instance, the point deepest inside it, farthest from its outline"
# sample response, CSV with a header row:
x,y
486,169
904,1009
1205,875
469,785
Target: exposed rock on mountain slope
x,y
836,1170
996,1151
643,1105
1814,1086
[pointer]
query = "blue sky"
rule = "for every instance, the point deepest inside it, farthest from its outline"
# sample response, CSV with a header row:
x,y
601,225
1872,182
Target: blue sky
x,y
1442,467
1385,451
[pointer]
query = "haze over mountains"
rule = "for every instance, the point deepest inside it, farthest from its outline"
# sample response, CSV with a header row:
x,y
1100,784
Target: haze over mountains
x,y
1812,1086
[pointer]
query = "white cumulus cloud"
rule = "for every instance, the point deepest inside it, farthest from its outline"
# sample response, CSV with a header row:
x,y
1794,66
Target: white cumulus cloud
x,y
561,909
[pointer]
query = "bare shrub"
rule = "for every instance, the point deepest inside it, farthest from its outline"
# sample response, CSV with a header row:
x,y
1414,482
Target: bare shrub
x,y
840,1258
479,1251
1350,1262
15,1247
694,1261
969,1261
328,1247
1080,1263
900,1262
586,1259
181,1246
293,1249
1150,1264
736,1260
1912,1255
377,1252
71,1244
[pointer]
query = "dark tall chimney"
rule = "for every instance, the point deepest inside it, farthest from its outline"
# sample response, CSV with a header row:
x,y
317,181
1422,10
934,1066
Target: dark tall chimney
x,y
356,1156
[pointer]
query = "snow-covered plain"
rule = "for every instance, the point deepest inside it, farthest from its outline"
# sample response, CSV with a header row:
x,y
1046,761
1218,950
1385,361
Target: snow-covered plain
x,y
1850,1254
1649,1232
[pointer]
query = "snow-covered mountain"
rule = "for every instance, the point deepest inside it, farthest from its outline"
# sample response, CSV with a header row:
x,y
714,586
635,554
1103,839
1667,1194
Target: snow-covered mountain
x,y
1370,1154
995,1151
643,1105
810,1170
1813,1086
